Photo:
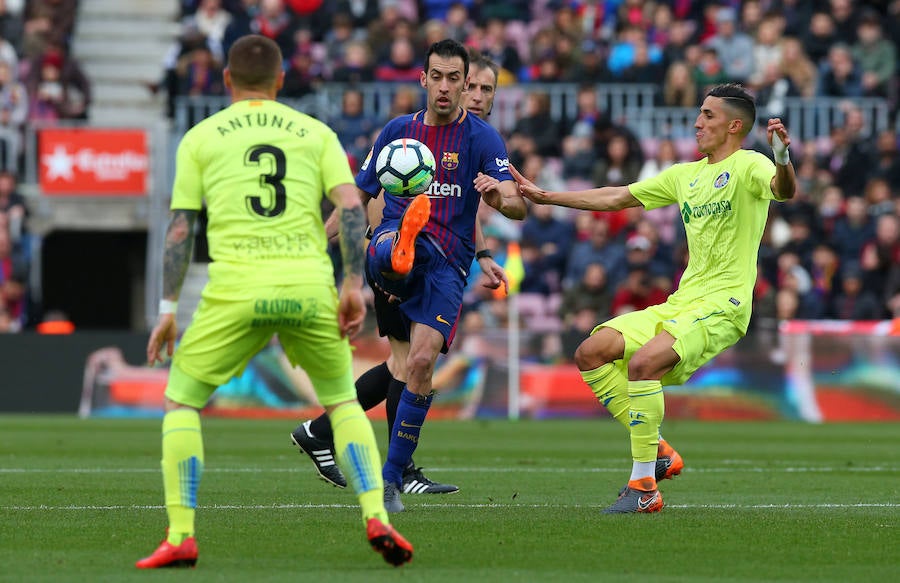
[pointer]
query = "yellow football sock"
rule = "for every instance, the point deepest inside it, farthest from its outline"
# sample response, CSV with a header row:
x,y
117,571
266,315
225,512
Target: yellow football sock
x,y
610,386
648,407
182,466
357,454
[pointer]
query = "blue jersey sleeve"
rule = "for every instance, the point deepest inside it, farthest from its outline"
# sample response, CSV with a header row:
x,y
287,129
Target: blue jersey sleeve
x,y
494,159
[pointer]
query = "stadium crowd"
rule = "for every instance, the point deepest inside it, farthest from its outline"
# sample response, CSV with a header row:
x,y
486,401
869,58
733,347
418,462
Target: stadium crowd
x,y
832,253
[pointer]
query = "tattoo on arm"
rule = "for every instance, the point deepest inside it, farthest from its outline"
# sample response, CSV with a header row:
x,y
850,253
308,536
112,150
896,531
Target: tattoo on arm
x,y
353,227
179,246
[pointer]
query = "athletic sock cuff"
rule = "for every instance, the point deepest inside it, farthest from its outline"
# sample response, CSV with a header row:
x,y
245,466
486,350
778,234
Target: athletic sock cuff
x,y
643,388
596,374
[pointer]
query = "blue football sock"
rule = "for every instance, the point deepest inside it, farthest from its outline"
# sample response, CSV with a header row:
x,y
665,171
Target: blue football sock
x,y
411,412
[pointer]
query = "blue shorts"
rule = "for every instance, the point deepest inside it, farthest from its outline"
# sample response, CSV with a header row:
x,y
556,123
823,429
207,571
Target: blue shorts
x,y
431,294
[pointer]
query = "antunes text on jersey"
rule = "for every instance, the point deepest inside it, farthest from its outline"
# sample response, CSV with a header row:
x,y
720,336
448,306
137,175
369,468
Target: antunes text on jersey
x,y
261,120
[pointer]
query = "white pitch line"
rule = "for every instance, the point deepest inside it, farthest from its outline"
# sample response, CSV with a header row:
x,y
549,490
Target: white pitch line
x,y
477,470
432,505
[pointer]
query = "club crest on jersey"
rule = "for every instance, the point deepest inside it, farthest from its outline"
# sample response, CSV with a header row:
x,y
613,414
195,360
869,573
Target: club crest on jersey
x,y
721,180
450,160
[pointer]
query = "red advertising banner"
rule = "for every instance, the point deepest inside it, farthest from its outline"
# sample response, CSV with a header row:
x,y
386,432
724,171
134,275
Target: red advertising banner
x,y
93,162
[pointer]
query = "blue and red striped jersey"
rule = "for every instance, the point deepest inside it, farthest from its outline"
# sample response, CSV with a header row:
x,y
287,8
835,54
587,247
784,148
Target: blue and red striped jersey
x,y
461,150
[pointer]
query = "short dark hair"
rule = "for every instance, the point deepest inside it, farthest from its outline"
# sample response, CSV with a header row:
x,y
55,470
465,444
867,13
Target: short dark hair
x,y
477,59
254,62
737,98
447,49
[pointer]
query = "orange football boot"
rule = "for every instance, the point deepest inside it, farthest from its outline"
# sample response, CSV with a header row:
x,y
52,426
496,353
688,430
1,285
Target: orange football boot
x,y
668,461
168,555
414,219
395,549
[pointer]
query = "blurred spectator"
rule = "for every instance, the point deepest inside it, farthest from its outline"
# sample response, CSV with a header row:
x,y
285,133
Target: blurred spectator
x,y
360,12
495,46
766,50
11,27
598,248
681,36
8,53
709,71
734,48
14,212
852,302
623,51
825,277
829,210
274,21
881,253
618,165
787,304
797,15
876,56
402,64
57,86
772,89
797,66
819,37
552,236
13,275
679,88
241,19
537,122
356,65
47,22
211,19
591,292
637,292
578,159
845,19
537,278
13,114
354,125
878,197
887,163
751,17
801,242
853,230
303,75
840,75
198,73
642,68
405,100
458,23
590,67
460,376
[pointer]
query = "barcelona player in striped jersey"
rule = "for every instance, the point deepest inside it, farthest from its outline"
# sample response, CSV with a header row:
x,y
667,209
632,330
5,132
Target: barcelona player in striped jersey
x,y
422,250
386,381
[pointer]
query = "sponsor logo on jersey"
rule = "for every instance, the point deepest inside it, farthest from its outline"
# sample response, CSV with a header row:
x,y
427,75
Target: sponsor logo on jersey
x,y
444,190
502,164
694,182
721,180
718,208
450,160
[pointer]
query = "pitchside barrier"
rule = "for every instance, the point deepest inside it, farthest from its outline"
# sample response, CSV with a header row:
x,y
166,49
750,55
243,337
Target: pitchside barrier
x,y
816,371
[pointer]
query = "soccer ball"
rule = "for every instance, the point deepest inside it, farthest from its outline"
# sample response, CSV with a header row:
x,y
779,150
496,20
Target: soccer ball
x,y
405,167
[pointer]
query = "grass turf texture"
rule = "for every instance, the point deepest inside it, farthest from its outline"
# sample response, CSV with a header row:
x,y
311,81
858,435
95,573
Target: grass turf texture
x,y
82,500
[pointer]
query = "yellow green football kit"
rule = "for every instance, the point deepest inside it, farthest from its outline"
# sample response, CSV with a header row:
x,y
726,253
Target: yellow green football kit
x,y
724,207
262,169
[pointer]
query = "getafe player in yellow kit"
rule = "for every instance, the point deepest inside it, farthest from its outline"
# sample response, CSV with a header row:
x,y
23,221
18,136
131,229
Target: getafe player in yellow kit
x,y
724,201
262,169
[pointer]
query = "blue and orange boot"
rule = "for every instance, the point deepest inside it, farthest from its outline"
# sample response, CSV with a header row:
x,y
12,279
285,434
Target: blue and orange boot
x,y
668,461
414,219
639,496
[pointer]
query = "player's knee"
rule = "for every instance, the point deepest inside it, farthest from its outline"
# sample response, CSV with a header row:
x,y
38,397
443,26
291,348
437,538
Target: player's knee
x,y
642,366
419,364
605,346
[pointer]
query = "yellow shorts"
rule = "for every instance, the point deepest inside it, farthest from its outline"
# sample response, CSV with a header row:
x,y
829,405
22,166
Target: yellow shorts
x,y
701,330
232,324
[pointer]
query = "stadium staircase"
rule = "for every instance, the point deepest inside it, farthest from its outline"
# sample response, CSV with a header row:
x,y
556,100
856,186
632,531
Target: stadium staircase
x,y
121,45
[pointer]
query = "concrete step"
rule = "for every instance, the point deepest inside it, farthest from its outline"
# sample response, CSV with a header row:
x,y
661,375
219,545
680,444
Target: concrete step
x,y
112,92
124,115
126,28
128,8
123,71
111,49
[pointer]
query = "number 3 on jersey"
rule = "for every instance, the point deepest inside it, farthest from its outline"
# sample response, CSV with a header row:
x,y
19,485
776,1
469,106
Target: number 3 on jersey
x,y
254,157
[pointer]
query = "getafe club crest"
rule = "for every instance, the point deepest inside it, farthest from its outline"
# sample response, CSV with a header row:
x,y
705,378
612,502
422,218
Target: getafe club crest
x,y
721,180
450,160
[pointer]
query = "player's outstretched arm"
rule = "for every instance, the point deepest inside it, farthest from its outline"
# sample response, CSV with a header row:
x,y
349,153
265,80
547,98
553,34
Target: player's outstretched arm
x,y
351,309
503,196
604,198
784,183
176,259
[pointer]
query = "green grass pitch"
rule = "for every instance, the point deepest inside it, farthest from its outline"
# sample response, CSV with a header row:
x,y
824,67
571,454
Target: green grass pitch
x,y
82,500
